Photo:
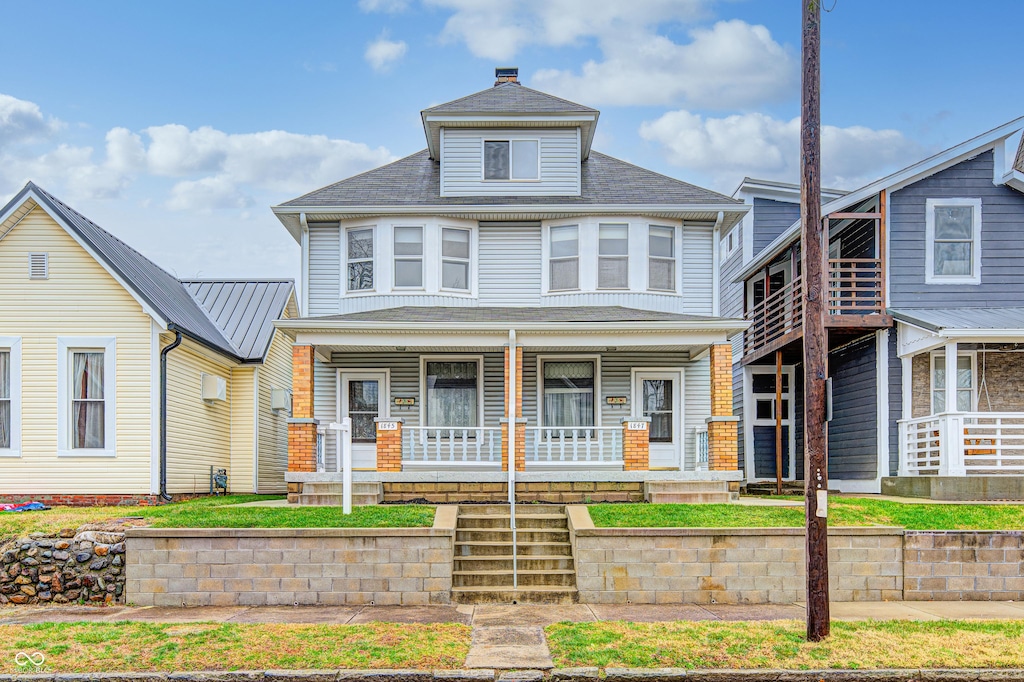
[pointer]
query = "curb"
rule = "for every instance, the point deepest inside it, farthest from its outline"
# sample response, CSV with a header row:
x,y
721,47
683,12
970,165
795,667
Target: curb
x,y
557,675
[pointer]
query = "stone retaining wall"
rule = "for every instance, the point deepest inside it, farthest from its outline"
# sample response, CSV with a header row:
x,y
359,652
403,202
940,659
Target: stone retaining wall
x,y
285,566
969,565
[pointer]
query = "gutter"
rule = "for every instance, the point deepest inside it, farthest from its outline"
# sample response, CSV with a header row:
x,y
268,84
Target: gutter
x,y
163,409
635,326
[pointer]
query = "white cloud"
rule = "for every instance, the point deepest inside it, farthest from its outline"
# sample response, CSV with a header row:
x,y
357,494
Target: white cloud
x,y
387,6
759,145
22,121
382,54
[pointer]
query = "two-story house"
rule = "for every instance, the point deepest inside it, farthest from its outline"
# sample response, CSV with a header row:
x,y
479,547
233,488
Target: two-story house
x,y
923,273
509,276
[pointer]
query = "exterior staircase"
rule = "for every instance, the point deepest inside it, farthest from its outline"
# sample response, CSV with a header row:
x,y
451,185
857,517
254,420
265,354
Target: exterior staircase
x,y
688,492
329,494
483,556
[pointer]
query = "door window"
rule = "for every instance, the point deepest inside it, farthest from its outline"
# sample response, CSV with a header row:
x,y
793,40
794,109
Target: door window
x,y
363,408
657,405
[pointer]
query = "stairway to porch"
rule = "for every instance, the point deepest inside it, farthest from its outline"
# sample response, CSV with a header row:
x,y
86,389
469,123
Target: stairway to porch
x,y
330,493
483,555
689,492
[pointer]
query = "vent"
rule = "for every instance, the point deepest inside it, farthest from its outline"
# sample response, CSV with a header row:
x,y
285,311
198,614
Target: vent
x,y
213,387
38,266
280,400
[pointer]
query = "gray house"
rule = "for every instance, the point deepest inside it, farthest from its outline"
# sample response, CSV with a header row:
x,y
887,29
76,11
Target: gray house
x,y
924,272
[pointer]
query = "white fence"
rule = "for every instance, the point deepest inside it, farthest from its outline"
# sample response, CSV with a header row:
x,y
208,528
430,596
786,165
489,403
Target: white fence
x,y
963,444
450,445
702,449
565,446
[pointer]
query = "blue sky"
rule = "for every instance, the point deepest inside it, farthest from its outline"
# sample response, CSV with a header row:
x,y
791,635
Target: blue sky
x,y
177,125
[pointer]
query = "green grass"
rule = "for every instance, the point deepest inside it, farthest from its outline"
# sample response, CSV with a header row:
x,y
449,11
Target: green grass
x,y
124,647
218,512
782,644
842,511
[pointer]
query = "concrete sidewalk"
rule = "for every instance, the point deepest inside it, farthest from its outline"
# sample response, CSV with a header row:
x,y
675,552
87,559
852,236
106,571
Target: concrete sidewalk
x,y
523,615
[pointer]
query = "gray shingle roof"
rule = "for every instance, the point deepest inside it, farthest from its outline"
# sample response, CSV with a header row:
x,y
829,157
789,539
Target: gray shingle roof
x,y
569,315
962,318
416,180
243,310
508,98
162,291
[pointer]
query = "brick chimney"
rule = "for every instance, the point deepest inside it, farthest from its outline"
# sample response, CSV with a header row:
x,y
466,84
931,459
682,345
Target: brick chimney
x,y
506,74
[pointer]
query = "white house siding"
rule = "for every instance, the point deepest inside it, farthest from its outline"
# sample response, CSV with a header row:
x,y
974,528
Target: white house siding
x,y
510,263
324,268
462,163
276,372
78,299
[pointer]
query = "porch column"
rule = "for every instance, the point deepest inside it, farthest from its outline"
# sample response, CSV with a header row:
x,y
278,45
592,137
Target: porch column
x,y
389,443
636,443
723,450
951,366
302,425
520,425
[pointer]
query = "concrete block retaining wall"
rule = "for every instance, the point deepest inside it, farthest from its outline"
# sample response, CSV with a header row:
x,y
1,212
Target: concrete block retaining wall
x,y
968,565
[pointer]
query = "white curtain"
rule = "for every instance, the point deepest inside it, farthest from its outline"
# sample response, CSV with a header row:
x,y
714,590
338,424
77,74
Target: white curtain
x,y
5,399
452,394
87,403
568,393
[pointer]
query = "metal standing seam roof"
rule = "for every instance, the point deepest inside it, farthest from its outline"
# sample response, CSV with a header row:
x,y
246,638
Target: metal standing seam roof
x,y
509,98
416,180
554,315
162,291
243,310
981,319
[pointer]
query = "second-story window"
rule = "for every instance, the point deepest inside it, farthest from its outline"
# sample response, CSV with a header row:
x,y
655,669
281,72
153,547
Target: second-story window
x,y
661,258
613,256
455,258
953,236
360,259
564,258
409,257
511,160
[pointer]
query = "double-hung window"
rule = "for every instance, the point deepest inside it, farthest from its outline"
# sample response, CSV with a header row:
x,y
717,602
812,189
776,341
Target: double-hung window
x,y
6,412
568,393
661,258
86,388
613,256
10,396
359,256
511,160
408,248
87,400
965,388
452,392
564,258
953,236
455,266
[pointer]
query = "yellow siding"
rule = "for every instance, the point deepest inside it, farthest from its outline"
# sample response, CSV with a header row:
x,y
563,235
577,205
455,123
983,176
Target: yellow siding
x,y
198,431
276,372
78,299
243,424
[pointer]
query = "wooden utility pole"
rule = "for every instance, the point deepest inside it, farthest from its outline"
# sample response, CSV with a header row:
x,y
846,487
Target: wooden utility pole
x,y
778,422
815,339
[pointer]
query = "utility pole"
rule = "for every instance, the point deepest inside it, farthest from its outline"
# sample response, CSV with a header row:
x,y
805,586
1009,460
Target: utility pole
x,y
815,339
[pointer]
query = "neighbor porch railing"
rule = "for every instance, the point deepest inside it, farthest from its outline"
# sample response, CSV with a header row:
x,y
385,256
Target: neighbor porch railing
x,y
568,446
775,317
451,445
855,286
962,444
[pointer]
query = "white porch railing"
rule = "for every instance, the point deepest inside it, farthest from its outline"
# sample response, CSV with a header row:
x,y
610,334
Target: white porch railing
x,y
702,449
450,445
567,446
963,444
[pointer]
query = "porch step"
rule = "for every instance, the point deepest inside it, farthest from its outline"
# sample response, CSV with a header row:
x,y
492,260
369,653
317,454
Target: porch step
x,y
559,535
503,562
539,594
688,492
331,494
523,521
503,578
490,548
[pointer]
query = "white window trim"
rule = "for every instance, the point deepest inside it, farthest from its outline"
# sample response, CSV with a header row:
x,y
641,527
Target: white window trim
x,y
625,256
345,291
65,346
546,274
478,359
12,344
973,355
541,359
676,275
749,407
734,233
470,285
498,138
422,258
929,253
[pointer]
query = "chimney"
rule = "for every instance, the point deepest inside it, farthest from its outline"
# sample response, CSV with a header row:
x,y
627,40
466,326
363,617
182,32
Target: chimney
x,y
506,74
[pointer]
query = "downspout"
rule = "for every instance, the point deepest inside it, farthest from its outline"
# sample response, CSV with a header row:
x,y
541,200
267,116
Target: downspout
x,y
512,373
716,269
163,409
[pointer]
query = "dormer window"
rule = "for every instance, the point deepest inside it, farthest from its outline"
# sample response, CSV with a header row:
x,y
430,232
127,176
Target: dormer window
x,y
511,160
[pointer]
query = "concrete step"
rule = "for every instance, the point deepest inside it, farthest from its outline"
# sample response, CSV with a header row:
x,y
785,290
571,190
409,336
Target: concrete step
x,y
507,595
467,521
688,492
690,498
336,487
503,562
337,500
505,534
504,578
486,548
502,509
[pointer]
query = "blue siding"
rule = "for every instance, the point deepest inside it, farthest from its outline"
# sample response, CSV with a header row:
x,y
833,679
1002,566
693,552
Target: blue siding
x,y
764,446
772,218
853,431
1002,248
895,403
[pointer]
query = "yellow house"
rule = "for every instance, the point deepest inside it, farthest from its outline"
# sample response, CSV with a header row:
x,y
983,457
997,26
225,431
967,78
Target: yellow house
x,y
122,383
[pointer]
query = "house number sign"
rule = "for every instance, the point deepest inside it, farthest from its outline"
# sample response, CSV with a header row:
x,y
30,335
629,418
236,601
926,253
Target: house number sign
x,y
636,426
387,426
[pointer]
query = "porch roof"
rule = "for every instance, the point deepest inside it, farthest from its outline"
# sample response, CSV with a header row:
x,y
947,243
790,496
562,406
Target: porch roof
x,y
964,320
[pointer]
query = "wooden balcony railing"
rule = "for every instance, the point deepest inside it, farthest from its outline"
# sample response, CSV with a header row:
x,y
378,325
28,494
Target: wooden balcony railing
x,y
775,317
855,286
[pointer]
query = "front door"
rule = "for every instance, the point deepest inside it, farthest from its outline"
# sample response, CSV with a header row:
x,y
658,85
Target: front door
x,y
363,398
761,422
656,395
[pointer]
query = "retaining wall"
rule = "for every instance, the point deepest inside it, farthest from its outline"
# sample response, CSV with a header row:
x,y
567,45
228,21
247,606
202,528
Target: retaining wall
x,y
956,565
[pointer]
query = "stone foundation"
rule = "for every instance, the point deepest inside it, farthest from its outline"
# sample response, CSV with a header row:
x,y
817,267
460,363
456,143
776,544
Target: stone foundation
x,y
557,492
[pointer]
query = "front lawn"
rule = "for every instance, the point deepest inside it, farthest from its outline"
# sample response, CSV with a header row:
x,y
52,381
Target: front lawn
x,y
127,647
782,644
842,511
218,512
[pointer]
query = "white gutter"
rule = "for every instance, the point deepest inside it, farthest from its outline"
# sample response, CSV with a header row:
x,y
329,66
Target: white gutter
x,y
583,209
636,326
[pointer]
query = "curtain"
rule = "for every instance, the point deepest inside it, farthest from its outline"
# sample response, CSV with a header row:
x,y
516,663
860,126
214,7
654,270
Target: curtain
x,y
87,402
568,393
452,394
5,399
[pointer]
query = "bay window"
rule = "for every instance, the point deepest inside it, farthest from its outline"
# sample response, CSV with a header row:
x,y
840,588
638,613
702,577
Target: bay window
x,y
455,265
408,249
359,254
564,257
613,256
661,260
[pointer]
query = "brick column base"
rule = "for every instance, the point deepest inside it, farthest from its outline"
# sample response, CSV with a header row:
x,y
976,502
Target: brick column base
x,y
389,444
302,425
636,453
302,445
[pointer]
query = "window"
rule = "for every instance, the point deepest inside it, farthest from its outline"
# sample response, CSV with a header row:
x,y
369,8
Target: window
x,y
455,258
661,266
10,396
85,392
360,259
5,399
511,160
564,257
452,392
964,382
953,236
730,242
568,393
408,257
613,256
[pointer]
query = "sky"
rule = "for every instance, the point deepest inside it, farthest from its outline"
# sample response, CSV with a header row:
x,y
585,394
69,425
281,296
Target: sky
x,y
177,125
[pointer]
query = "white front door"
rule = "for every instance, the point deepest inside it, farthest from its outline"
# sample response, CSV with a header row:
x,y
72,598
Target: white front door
x,y
363,398
759,415
657,395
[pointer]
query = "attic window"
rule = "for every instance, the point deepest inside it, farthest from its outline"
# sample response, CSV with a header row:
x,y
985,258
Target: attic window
x,y
511,160
38,266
